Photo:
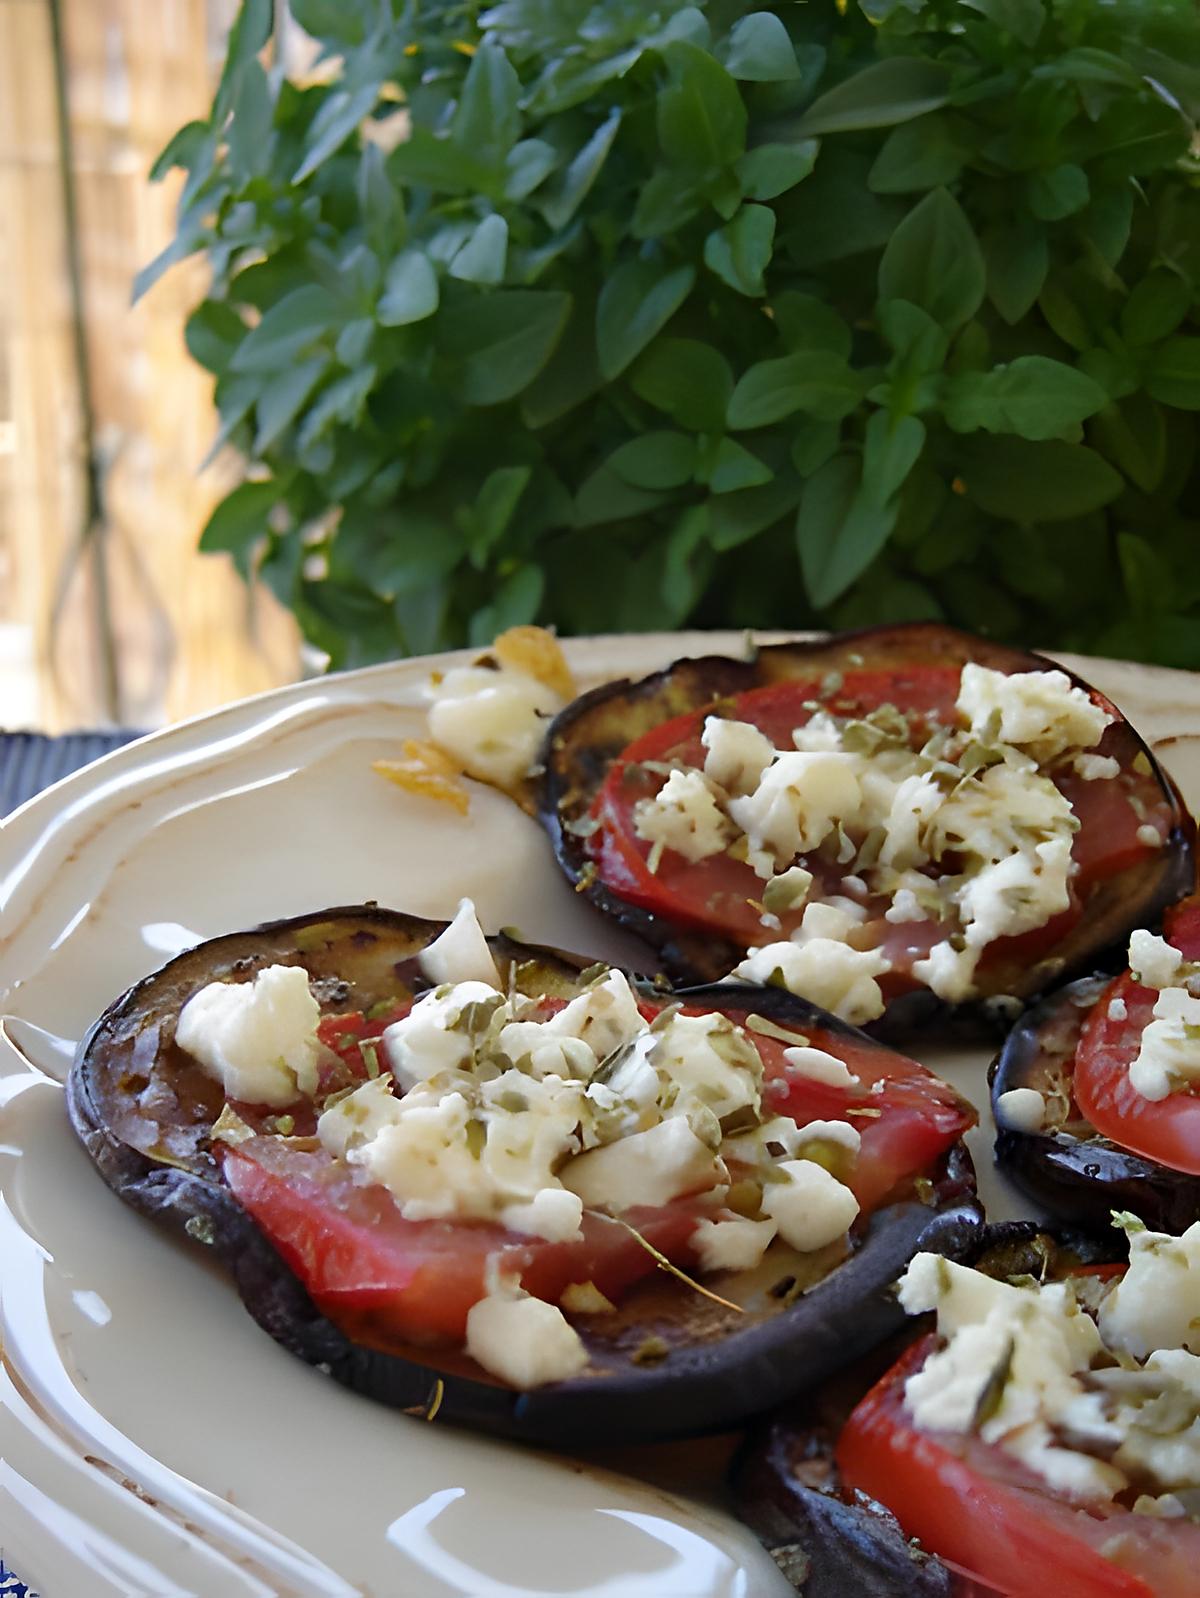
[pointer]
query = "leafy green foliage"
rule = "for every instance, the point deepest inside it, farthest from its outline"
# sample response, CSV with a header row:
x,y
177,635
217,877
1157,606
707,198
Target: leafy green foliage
x,y
717,312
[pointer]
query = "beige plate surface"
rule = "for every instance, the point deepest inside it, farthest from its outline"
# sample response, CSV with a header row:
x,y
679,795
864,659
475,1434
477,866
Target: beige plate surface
x,y
152,1439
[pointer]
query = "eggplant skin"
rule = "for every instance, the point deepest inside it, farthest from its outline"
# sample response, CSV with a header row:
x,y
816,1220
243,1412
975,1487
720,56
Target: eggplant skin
x,y
1072,1171
707,1381
785,1480
590,733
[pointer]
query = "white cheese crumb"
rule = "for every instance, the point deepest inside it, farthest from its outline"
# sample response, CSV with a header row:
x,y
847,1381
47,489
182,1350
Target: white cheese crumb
x,y
827,972
430,1038
819,1066
738,754
683,816
605,1017
734,1245
1118,1010
524,1341
1169,1055
651,1167
812,1208
1041,711
798,802
1156,1304
1149,836
257,1038
492,722
460,953
1153,961
1093,768
712,1060
1021,1110
839,1132
359,1117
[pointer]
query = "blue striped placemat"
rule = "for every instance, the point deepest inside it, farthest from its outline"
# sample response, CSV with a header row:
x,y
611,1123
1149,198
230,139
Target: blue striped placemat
x,y
29,762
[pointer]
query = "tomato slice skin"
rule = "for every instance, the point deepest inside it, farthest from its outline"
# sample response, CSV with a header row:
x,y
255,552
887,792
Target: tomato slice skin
x,y
994,1520
1166,1130
387,1281
718,894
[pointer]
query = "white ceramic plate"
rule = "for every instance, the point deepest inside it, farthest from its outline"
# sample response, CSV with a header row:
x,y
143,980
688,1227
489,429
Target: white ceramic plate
x,y
152,1439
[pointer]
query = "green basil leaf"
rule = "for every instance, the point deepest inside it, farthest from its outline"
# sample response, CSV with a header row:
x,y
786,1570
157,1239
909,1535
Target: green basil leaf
x,y
572,78
839,532
353,343
488,115
494,507
288,329
921,154
566,194
740,252
919,342
806,322
342,401
892,446
636,302
249,34
410,290
333,124
1017,258
518,600
1108,220
933,259
1133,435
687,564
893,90
439,163
483,257
701,118
526,166
605,496
815,381
1057,192
380,202
183,149
666,202
330,20
1035,482
249,132
282,400
656,460
771,169
741,515
760,51
812,444
735,467
212,333
1155,306
1173,373
690,381
238,525
1024,19
500,341
1033,396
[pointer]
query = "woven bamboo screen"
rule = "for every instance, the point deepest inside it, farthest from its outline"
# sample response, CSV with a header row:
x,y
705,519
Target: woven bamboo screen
x,y
182,633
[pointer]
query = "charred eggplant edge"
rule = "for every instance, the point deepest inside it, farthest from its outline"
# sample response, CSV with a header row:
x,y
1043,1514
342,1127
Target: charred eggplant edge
x,y
697,1389
828,1546
691,956
1079,1179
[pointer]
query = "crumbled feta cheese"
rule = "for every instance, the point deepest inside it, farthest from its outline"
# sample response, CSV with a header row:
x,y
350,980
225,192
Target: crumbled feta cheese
x,y
524,1341
1168,1058
788,890
605,1017
433,1036
734,1245
1154,962
1041,711
531,1046
552,1213
1118,1010
738,754
1149,836
916,801
905,906
819,1066
1021,1110
359,1117
683,816
257,1038
810,1206
712,1060
818,734
823,970
651,1167
829,918
461,953
1156,1304
949,971
1095,768
798,802
492,721
840,1132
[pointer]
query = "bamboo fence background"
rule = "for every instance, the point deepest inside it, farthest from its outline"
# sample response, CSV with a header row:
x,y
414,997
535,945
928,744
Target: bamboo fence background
x,y
187,633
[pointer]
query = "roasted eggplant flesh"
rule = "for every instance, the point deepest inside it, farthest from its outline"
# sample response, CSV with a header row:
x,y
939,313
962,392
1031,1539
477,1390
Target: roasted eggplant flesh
x,y
832,1543
592,733
669,1362
1068,1167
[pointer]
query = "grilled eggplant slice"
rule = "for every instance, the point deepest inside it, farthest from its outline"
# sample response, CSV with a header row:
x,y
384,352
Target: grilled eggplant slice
x,y
829,1542
145,1112
591,734
1074,1050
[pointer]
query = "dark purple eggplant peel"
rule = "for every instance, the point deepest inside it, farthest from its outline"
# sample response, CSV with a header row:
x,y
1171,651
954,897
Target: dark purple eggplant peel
x,y
144,1111
834,1544
593,731
1067,1167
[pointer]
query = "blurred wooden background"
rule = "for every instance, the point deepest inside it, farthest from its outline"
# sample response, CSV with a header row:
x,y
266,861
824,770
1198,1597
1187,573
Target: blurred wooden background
x,y
186,632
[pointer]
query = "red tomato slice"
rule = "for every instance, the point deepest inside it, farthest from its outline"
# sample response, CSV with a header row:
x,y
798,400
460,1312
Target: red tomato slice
x,y
721,895
1167,1130
386,1281
974,1505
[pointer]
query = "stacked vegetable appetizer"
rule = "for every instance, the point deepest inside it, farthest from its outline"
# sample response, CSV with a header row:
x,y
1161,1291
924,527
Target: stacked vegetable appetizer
x,y
497,1184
